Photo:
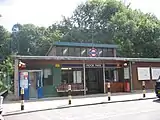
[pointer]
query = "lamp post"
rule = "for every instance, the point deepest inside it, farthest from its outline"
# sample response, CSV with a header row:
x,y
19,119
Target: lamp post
x,y
15,30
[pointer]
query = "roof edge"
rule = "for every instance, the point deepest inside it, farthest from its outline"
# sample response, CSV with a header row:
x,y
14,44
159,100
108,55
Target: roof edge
x,y
86,58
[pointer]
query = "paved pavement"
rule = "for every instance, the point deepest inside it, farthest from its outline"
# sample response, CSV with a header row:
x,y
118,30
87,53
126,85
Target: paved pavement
x,y
14,108
135,110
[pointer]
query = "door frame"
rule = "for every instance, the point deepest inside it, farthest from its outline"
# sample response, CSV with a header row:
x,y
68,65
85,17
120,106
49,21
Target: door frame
x,y
38,90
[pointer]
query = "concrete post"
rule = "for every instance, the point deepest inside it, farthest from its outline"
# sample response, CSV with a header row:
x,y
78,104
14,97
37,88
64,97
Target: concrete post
x,y
84,78
104,79
16,77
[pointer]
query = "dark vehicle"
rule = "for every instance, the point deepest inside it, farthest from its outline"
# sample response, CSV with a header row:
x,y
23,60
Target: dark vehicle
x,y
157,87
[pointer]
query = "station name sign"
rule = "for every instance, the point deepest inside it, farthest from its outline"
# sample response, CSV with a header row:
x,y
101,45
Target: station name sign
x,y
88,65
93,65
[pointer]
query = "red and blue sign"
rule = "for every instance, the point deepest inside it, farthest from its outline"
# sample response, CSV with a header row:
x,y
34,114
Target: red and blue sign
x,y
93,52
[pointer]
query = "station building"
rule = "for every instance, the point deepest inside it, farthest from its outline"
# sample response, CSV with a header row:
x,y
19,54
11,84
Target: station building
x,y
86,67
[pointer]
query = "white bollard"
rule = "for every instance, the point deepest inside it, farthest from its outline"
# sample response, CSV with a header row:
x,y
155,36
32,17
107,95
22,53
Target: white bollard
x,y
1,103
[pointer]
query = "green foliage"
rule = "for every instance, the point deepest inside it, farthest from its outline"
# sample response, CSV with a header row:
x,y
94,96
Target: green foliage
x,y
6,70
4,42
7,66
109,21
33,40
98,21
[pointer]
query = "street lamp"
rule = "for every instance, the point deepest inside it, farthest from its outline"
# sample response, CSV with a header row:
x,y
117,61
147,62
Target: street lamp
x,y
15,30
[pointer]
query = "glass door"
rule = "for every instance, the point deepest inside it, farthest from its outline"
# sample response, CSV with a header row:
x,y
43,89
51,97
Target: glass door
x,y
39,75
32,85
35,84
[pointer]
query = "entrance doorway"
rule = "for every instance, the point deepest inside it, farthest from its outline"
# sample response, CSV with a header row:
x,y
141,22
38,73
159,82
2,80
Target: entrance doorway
x,y
35,84
94,80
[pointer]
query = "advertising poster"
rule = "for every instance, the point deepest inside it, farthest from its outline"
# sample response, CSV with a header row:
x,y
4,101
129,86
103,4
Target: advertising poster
x,y
24,79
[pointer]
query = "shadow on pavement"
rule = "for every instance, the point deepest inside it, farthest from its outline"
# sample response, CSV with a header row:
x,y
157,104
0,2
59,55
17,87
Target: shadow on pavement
x,y
14,111
157,100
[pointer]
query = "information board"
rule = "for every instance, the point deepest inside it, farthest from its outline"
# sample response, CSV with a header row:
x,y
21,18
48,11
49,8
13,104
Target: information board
x,y
143,73
24,79
155,73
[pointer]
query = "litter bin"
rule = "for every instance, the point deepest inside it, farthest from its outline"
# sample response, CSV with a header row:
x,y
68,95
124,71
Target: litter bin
x,y
126,87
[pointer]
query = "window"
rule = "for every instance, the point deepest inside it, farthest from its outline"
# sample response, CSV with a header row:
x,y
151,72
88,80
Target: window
x,y
83,52
47,77
58,51
77,76
109,74
65,51
105,52
67,76
99,52
88,49
72,75
71,51
108,52
77,52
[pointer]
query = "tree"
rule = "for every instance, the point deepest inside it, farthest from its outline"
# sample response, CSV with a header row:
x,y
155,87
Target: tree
x,y
136,33
4,42
33,40
90,22
109,21
6,72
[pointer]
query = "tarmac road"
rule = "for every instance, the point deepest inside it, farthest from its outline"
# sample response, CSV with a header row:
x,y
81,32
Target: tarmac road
x,y
135,110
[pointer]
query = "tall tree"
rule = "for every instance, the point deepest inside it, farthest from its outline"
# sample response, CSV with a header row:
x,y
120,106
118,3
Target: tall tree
x,y
136,33
109,21
90,22
4,42
33,40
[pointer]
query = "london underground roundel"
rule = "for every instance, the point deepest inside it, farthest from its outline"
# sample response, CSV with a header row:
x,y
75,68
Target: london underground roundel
x,y
93,52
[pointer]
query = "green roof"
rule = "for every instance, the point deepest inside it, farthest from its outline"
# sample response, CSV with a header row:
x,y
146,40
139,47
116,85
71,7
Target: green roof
x,y
76,44
86,58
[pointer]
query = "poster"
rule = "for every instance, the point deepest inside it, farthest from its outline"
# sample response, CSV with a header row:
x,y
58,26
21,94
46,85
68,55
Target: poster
x,y
24,79
126,73
77,76
143,73
47,72
155,73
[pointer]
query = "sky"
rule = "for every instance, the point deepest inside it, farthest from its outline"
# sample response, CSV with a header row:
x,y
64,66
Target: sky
x,y
46,12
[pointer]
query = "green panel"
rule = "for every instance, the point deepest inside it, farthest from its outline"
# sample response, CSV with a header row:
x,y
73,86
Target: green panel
x,y
48,91
56,79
